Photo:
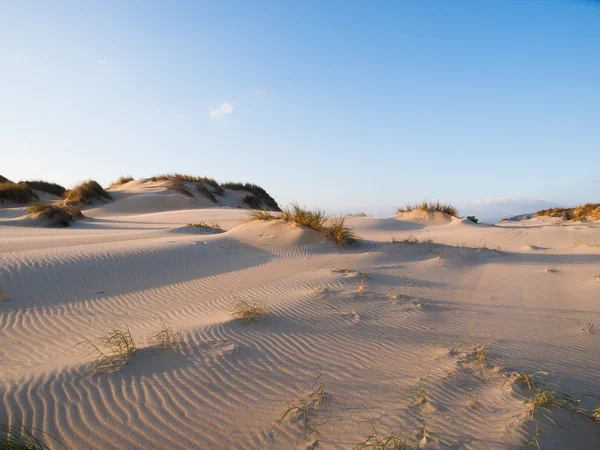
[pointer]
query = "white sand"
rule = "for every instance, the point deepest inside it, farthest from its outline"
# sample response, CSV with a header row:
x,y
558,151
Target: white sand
x,y
130,264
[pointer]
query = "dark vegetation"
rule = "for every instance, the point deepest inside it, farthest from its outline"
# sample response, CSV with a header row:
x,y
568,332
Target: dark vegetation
x,y
86,192
431,207
45,186
60,215
583,212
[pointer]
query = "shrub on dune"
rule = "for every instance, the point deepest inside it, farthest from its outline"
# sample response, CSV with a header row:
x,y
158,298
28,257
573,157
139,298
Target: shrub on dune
x,y
60,215
45,186
339,233
428,206
121,181
583,212
16,192
85,193
249,311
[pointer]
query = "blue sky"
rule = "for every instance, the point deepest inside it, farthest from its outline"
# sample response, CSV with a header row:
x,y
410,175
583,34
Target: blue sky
x,y
349,106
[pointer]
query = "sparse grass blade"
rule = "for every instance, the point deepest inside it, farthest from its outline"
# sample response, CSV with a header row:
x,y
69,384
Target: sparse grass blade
x,y
247,311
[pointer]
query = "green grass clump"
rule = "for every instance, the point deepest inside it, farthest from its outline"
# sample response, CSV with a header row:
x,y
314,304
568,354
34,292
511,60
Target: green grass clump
x,y
23,438
16,192
431,207
312,219
339,233
85,193
260,214
60,215
46,186
579,213
249,311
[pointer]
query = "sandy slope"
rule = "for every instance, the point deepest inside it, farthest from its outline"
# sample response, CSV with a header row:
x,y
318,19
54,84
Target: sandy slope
x,y
226,388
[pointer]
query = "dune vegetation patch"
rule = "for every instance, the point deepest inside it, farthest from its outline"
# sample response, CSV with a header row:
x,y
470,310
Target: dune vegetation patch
x,y
16,192
120,181
257,198
578,213
86,192
332,227
46,186
57,214
248,311
213,226
20,437
428,206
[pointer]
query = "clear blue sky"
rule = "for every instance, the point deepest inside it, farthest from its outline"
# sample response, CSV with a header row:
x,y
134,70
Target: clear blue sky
x,y
343,105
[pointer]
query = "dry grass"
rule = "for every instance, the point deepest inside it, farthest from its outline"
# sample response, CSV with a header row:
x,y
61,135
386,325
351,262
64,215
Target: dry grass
x,y
333,228
589,327
583,212
16,192
307,406
3,296
85,193
596,414
428,206
45,186
21,437
61,215
481,354
167,337
387,441
114,349
209,226
249,311
121,181
200,187
412,239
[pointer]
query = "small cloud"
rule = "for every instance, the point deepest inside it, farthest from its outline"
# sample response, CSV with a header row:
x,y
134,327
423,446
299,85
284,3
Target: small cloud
x,y
221,111
181,116
102,61
260,92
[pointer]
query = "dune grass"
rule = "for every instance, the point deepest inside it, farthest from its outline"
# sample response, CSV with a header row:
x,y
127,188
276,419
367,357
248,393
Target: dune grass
x,y
337,232
209,226
46,186
578,213
167,337
260,214
430,207
114,349
121,180
596,414
21,437
387,441
248,311
481,354
306,407
3,296
16,192
86,192
61,215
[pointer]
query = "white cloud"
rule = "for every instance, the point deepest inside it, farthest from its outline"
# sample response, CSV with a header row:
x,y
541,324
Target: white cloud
x,y
259,92
223,110
102,61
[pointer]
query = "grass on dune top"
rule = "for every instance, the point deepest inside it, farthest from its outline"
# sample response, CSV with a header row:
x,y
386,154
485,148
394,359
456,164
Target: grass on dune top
x,y
587,211
333,228
430,207
85,192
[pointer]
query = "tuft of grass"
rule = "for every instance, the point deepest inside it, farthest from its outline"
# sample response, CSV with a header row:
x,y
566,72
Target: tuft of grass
x,y
314,219
249,311
114,349
533,442
578,213
23,438
412,239
596,414
428,206
178,185
261,215
45,186
61,215
388,441
589,327
211,226
543,397
167,337
85,193
3,296
530,380
338,232
456,346
16,192
360,214
121,180
305,407
481,354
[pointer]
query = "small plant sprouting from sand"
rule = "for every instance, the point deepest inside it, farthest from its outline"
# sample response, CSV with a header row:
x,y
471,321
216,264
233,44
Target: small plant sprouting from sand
x,y
589,327
481,354
533,442
344,270
456,346
3,296
388,441
167,337
23,438
338,232
596,414
422,433
409,284
114,350
248,311
307,406
209,226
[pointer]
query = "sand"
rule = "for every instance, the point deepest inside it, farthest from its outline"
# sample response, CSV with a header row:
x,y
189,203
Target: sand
x,y
524,289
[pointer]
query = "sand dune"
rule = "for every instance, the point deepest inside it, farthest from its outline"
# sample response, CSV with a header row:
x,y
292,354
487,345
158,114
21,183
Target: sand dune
x,y
523,289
